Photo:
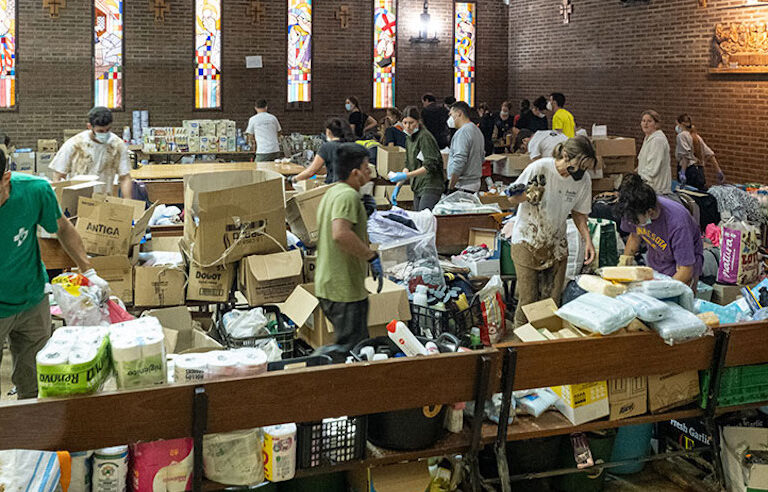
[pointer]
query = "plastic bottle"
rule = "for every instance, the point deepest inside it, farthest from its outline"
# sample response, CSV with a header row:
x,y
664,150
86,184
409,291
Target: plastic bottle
x,y
475,342
240,140
420,296
404,339
127,134
432,348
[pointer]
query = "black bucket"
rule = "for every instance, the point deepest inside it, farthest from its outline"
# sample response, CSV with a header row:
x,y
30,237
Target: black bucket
x,y
416,428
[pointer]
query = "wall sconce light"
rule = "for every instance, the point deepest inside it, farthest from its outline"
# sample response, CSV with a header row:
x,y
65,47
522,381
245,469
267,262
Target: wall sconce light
x,y
425,27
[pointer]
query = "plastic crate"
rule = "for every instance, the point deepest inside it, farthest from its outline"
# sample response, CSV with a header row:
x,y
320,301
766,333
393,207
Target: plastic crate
x,y
331,442
431,323
738,385
284,335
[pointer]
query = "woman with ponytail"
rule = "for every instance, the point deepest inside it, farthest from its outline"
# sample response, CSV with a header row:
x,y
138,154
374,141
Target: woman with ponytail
x,y
547,191
673,237
337,131
693,154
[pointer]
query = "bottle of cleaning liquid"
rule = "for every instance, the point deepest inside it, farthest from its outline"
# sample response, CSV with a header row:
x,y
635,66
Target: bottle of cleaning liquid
x,y
420,296
475,342
404,339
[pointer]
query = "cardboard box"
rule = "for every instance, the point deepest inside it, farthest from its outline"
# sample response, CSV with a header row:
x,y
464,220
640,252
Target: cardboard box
x,y
23,162
615,146
70,133
617,164
109,228
724,294
389,158
605,184
301,214
391,303
509,165
42,161
68,194
233,214
47,145
581,403
501,200
383,194
310,265
482,268
672,390
627,397
400,477
267,279
158,286
163,243
118,272
212,284
138,206
309,184
181,335
740,476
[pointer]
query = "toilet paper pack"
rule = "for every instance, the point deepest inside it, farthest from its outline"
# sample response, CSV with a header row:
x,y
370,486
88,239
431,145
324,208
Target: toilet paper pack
x,y
234,458
162,465
74,361
138,353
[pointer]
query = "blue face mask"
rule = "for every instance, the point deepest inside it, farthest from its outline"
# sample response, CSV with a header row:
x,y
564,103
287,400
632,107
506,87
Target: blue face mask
x,y
101,137
348,107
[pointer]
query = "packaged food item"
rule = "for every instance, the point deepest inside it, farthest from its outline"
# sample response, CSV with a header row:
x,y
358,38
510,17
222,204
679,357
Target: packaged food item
x,y
493,327
646,308
598,285
627,273
597,313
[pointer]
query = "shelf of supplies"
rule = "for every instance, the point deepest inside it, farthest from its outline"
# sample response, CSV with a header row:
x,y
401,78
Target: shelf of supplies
x,y
234,152
738,70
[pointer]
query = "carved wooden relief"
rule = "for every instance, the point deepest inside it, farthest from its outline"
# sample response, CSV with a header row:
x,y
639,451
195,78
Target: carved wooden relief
x,y
741,47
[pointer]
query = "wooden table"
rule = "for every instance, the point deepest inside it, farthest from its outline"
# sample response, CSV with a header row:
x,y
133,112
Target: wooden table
x,y
167,157
453,230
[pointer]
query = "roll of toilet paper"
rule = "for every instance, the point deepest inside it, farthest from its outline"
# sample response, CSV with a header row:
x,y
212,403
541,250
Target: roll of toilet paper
x,y
222,364
82,353
66,333
190,368
280,452
234,458
251,361
153,344
52,356
124,348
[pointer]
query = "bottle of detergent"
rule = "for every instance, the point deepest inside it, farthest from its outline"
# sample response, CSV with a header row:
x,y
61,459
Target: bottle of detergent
x,y
405,339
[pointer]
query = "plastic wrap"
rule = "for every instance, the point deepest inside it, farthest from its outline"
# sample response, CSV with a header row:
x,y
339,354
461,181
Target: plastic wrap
x,y
680,325
493,327
646,308
79,301
234,458
413,261
597,313
576,249
726,314
661,287
461,202
597,285
245,324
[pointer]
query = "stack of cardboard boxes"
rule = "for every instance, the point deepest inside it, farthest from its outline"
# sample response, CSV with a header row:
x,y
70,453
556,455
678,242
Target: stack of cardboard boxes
x,y
196,136
33,163
616,156
390,159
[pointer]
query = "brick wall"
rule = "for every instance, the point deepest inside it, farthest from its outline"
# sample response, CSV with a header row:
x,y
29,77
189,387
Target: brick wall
x,y
613,61
54,68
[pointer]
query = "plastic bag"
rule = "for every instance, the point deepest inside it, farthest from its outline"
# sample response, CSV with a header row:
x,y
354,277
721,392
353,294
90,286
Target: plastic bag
x,y
461,202
234,458
492,409
493,327
32,471
388,226
646,308
413,261
80,303
726,314
537,402
661,287
739,257
576,249
597,313
245,324
680,325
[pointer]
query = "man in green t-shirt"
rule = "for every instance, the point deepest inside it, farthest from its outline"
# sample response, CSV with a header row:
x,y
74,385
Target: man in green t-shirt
x,y
343,254
27,201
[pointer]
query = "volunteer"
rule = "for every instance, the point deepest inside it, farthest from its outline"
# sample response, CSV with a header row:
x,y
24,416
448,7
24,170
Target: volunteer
x,y
486,126
424,161
536,119
693,154
27,201
343,254
263,132
96,151
434,116
393,128
360,122
673,237
653,159
502,125
556,186
525,110
539,144
562,119
337,131
465,161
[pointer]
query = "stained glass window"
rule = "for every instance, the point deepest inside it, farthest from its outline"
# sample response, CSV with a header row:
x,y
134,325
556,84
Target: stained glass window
x,y
384,43
464,52
7,54
299,51
208,54
108,53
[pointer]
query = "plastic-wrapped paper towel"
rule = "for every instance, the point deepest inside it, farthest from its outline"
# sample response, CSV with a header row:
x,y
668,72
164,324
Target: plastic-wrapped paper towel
x,y
279,452
234,458
80,476
681,325
138,353
74,361
193,368
597,313
646,308
162,465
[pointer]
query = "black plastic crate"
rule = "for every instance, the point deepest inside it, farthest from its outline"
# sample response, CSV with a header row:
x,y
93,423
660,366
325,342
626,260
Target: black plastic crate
x,y
431,323
284,335
331,442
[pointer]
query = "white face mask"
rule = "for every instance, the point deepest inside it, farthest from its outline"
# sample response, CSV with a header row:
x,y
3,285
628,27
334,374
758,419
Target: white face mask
x,y
412,133
101,137
504,113
679,129
348,107
549,105
451,122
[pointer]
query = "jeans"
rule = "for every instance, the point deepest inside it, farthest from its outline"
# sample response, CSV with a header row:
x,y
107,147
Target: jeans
x,y
533,283
350,324
27,332
426,200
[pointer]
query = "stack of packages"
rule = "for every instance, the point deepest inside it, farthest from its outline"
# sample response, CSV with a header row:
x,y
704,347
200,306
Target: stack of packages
x,y
621,299
196,136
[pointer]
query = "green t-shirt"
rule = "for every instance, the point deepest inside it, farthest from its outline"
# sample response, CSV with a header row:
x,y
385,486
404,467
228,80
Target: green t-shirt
x,y
340,277
422,142
31,203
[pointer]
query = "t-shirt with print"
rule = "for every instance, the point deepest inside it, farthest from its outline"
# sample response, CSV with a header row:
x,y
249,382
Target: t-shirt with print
x,y
340,277
563,120
80,155
673,239
543,143
329,152
264,127
30,203
544,225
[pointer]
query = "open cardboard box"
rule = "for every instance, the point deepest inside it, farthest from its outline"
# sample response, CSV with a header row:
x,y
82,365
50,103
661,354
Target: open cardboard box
x,y
741,477
110,228
301,214
389,158
117,271
267,279
509,165
399,477
489,266
69,192
181,336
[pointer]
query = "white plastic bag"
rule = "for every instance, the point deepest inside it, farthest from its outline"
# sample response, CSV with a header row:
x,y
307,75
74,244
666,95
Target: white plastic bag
x,y
597,313
680,325
80,302
576,248
234,458
646,308
665,287
461,202
245,324
32,471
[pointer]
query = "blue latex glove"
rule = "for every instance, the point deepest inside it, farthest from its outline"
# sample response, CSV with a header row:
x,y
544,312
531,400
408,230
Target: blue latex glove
x,y
377,272
395,192
681,177
398,177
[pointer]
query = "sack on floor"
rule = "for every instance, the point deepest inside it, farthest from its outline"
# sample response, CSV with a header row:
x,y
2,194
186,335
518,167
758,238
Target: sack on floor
x,y
739,261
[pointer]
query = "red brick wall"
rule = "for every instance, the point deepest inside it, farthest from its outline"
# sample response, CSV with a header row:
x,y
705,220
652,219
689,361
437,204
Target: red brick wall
x,y
614,61
55,69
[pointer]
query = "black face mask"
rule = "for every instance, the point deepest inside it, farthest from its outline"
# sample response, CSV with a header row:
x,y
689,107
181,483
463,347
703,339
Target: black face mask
x,y
576,174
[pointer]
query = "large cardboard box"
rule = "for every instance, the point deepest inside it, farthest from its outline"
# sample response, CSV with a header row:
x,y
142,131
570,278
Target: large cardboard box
x,y
138,206
181,335
490,266
400,477
627,397
233,214
109,228
47,145
301,213
158,286
391,303
509,165
23,162
383,194
266,279
615,146
616,164
672,390
389,158
310,265
501,200
739,475
68,194
310,184
118,272
211,284
581,403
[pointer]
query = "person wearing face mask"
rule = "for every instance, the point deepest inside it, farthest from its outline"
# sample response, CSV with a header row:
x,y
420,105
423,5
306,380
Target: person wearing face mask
x,y
536,119
423,157
467,153
693,154
667,228
562,119
337,132
503,124
653,160
554,187
360,122
96,151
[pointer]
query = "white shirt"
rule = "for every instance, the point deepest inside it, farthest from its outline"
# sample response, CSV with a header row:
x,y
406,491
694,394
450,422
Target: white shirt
x,y
653,163
543,143
684,150
544,225
80,155
264,128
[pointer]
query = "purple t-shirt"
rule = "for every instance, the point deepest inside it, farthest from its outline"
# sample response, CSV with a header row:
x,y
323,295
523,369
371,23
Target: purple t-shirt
x,y
673,239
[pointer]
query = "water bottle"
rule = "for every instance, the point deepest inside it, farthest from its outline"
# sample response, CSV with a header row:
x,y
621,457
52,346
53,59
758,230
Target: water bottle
x,y
127,134
240,140
404,339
